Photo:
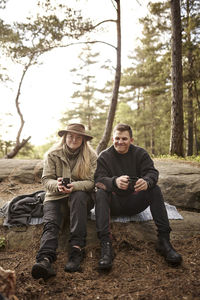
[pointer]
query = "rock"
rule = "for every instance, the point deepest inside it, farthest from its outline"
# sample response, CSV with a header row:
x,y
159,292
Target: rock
x,y
24,171
181,229
179,181
29,237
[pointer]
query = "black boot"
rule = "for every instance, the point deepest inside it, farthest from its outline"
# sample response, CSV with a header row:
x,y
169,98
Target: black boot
x,y
165,248
42,269
107,256
76,256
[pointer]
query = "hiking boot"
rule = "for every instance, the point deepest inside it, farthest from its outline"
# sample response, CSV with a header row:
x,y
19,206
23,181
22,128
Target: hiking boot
x,y
165,248
76,256
42,269
107,256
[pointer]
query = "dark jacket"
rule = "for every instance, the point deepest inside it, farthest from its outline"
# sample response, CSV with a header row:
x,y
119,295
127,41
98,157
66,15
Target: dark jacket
x,y
22,208
135,163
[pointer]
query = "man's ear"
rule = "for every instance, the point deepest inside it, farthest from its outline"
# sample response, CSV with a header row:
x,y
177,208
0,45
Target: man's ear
x,y
112,139
132,140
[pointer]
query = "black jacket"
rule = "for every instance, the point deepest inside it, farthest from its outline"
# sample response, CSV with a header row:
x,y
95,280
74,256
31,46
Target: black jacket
x,y
135,163
22,208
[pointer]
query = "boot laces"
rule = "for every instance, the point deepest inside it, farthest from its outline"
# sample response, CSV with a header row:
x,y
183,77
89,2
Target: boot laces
x,y
75,255
106,248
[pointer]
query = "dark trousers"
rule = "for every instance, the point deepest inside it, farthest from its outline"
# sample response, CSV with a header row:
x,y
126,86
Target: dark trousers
x,y
107,204
79,203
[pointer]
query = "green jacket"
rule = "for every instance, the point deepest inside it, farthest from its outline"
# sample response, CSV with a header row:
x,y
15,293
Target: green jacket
x,y
56,165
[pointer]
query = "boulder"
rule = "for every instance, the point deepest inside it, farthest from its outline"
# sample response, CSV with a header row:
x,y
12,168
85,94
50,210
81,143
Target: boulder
x,y
29,237
179,180
22,170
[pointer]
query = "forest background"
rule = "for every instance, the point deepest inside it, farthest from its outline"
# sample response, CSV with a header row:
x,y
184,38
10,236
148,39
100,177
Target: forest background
x,y
145,92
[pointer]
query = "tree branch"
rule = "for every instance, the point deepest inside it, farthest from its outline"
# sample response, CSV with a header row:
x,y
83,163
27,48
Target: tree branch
x,y
71,44
109,20
17,147
114,5
17,100
91,42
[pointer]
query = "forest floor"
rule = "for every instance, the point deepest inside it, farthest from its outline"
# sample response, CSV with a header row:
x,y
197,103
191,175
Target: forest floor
x,y
138,272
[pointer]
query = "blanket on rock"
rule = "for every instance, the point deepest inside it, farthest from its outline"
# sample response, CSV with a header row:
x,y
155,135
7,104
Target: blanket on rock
x,y
145,215
28,210
21,209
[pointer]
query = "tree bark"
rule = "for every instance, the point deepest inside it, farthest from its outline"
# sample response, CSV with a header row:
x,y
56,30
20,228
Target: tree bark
x,y
18,144
190,119
113,105
17,148
190,84
176,139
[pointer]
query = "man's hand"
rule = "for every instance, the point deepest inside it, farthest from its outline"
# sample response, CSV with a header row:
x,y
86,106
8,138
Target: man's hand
x,y
141,185
62,188
122,182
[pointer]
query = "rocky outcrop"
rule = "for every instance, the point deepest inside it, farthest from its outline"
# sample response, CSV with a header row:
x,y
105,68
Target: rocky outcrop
x,y
27,238
179,181
22,170
180,184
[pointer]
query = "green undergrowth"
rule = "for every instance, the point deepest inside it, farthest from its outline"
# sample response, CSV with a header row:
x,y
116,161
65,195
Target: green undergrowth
x,y
2,242
186,158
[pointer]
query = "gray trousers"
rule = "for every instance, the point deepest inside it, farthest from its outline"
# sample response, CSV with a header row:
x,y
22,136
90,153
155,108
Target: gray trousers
x,y
79,204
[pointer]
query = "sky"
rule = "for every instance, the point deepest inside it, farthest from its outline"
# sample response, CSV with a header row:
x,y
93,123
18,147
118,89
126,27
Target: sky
x,y
47,87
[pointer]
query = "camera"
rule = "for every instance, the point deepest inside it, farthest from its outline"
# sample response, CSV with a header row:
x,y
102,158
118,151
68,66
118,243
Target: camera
x,y
132,181
65,181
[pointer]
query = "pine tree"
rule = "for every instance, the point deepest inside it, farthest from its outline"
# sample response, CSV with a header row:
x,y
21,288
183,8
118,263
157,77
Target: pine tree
x,y
149,81
191,26
87,105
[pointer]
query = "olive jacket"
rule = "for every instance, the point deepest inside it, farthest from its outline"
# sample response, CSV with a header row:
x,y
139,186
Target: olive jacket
x,y
57,164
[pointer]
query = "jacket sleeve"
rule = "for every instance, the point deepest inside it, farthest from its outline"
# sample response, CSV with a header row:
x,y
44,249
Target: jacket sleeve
x,y
49,177
87,184
103,176
147,170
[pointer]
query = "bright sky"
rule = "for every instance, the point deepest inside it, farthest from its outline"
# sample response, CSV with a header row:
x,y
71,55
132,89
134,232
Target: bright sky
x,y
47,88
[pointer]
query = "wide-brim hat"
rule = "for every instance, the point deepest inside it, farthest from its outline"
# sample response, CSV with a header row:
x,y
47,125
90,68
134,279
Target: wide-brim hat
x,y
76,128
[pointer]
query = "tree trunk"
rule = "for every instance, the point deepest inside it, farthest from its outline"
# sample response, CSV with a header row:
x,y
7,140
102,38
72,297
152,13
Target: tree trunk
x,y
113,105
196,138
190,119
176,139
190,109
18,144
17,148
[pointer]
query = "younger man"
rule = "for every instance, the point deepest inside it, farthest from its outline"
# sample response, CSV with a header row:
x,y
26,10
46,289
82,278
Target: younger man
x,y
117,195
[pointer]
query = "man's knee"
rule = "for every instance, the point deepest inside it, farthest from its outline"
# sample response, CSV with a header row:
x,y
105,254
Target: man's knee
x,y
156,194
156,190
102,199
101,194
